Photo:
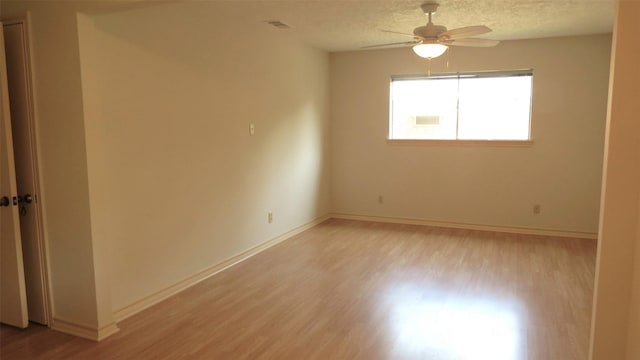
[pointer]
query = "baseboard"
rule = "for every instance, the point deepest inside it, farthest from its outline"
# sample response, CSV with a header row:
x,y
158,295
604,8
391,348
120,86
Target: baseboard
x,y
159,296
84,331
507,229
130,310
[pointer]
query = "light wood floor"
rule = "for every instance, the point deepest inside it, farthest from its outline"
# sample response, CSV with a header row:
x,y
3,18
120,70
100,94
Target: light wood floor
x,y
359,290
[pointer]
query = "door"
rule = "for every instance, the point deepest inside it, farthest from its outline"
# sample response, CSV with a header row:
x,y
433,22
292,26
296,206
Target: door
x,y
22,124
13,299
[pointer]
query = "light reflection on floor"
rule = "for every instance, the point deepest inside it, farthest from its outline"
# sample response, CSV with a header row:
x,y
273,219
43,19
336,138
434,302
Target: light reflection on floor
x,y
441,325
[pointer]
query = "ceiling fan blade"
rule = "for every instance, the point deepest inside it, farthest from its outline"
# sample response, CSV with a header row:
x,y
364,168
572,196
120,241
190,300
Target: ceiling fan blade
x,y
399,33
464,32
473,42
404,43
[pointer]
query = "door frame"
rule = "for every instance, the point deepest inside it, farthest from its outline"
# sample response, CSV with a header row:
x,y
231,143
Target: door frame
x,y
43,244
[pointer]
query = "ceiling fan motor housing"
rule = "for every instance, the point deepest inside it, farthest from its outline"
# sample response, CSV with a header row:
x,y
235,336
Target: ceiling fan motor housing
x,y
429,31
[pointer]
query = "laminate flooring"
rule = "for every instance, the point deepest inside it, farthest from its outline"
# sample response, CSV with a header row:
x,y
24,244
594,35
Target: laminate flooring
x,y
364,290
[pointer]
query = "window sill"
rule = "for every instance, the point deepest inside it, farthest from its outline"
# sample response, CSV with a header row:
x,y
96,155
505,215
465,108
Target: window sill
x,y
481,143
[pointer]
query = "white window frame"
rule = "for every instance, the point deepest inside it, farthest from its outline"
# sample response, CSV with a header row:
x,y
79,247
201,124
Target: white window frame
x,y
461,75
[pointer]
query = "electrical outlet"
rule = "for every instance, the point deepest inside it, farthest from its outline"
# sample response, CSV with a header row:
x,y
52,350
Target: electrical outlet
x,y
270,217
252,129
380,199
536,209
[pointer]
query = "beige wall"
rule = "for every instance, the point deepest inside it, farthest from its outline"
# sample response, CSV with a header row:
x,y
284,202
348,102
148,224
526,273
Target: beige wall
x,y
177,182
633,345
149,170
616,322
63,163
483,185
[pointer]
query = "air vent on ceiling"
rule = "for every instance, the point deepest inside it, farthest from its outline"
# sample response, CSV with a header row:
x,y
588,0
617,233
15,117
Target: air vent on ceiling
x,y
278,24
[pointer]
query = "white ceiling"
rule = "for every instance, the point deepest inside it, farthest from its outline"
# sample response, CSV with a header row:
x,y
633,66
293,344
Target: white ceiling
x,y
339,25
351,24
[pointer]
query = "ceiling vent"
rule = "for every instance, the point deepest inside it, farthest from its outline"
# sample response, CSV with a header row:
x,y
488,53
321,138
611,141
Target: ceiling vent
x,y
278,24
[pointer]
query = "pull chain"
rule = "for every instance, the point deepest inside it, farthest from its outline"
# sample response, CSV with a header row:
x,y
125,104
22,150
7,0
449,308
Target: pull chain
x,y
448,56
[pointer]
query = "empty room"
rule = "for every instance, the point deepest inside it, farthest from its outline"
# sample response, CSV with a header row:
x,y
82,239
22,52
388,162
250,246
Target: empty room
x,y
309,179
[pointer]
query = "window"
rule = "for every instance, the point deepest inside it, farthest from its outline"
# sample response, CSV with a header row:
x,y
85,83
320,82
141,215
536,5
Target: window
x,y
464,106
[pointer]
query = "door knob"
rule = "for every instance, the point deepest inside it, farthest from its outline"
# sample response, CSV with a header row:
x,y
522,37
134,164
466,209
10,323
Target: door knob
x,y
4,201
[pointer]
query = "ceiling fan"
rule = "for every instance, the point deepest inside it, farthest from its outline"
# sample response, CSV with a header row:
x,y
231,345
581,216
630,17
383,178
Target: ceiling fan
x,y
431,40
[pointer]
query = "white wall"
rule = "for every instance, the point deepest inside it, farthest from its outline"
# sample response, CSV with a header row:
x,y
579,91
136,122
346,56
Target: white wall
x,y
177,183
484,185
615,329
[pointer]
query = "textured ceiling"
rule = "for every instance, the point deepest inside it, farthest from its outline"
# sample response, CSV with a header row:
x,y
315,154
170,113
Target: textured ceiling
x,y
339,25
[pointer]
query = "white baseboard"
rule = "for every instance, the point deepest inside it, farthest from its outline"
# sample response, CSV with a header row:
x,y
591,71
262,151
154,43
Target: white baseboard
x,y
84,331
161,295
140,305
507,229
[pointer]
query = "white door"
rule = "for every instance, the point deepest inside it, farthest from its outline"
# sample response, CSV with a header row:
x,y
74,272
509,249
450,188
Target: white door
x,y
13,299
22,124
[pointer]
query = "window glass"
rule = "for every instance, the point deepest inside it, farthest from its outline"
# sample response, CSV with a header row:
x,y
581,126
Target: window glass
x,y
483,106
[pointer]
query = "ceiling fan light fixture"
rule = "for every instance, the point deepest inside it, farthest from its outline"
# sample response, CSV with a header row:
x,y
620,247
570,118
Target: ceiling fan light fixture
x,y
430,51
